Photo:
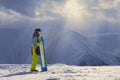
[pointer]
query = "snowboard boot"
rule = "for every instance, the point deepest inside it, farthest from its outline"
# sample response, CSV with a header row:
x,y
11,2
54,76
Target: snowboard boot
x,y
34,70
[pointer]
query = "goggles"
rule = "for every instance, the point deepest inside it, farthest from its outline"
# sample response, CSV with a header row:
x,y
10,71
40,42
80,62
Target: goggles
x,y
39,32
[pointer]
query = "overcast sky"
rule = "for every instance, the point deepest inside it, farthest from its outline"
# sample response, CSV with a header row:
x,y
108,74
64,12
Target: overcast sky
x,y
76,13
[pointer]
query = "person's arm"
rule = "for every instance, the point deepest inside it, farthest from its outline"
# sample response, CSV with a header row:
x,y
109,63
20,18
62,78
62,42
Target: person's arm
x,y
34,41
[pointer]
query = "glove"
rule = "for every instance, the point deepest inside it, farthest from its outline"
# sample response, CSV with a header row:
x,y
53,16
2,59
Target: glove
x,y
44,48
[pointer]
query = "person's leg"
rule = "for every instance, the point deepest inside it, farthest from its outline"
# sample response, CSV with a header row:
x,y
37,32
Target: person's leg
x,y
34,62
35,59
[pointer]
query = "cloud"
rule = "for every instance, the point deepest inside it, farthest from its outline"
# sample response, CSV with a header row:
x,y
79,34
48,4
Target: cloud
x,y
49,8
82,10
25,7
107,10
70,10
10,17
107,4
76,12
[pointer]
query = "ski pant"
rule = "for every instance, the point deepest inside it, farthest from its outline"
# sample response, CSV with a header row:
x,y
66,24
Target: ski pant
x,y
35,59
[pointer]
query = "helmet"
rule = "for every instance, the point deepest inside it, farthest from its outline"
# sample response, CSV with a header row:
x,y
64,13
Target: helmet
x,y
37,29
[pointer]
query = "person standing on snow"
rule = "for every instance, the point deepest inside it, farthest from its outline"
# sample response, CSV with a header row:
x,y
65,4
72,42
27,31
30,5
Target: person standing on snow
x,y
36,40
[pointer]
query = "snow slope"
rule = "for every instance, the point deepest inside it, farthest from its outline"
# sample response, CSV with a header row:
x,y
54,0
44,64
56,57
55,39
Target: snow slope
x,y
59,72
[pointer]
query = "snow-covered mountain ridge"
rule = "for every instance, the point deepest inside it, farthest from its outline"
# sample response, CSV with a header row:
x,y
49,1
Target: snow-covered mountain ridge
x,y
68,47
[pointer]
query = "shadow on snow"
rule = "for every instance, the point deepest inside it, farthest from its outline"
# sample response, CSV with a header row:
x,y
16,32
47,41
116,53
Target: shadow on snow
x,y
20,73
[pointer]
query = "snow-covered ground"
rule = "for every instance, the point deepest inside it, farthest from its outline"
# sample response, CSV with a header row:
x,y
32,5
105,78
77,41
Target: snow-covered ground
x,y
59,72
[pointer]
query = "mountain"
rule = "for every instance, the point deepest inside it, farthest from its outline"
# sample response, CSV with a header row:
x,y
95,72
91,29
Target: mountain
x,y
14,46
73,48
63,46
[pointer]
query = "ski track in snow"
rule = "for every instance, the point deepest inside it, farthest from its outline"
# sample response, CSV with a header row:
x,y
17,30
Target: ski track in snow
x,y
59,72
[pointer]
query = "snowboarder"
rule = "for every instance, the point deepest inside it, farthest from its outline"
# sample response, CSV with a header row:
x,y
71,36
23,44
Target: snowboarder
x,y
36,40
